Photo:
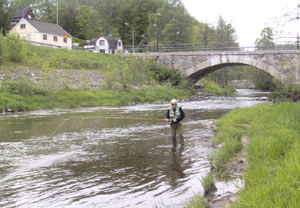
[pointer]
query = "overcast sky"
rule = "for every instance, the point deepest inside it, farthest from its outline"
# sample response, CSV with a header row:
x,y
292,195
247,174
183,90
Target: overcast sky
x,y
248,17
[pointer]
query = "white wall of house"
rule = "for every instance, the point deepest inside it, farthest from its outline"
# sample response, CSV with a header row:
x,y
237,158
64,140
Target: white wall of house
x,y
102,46
30,33
120,45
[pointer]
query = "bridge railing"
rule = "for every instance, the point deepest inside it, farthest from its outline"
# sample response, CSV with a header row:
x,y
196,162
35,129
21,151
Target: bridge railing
x,y
189,47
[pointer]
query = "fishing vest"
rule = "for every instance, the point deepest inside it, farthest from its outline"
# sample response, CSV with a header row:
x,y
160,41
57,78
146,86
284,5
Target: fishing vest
x,y
176,114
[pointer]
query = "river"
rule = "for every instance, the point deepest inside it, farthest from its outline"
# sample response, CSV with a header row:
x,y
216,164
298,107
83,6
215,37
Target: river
x,y
94,157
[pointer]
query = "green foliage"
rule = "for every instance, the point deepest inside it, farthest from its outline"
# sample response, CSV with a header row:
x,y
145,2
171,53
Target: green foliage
x,y
139,73
172,76
261,80
266,39
272,177
32,99
24,87
85,22
53,58
286,93
197,201
5,16
15,48
264,81
92,18
1,50
211,87
208,183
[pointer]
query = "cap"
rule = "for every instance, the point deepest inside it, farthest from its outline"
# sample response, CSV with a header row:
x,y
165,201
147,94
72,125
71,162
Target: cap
x,y
173,101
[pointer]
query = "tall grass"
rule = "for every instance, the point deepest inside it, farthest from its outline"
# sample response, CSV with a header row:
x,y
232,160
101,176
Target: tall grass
x,y
211,87
13,97
272,178
197,201
18,52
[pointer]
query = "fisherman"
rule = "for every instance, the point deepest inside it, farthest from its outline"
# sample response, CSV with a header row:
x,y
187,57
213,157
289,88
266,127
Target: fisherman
x,y
174,115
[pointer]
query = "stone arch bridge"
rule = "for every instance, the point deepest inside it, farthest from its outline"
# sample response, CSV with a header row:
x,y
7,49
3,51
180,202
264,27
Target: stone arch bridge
x,y
282,64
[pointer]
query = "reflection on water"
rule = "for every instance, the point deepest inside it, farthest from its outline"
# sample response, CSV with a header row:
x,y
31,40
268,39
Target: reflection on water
x,y
93,161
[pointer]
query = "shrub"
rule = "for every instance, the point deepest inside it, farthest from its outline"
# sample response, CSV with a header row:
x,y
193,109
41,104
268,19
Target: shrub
x,y
24,87
15,48
197,201
1,50
212,87
163,74
208,183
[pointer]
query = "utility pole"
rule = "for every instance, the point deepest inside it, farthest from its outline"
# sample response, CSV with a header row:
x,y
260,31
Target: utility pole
x,y
156,24
57,12
132,36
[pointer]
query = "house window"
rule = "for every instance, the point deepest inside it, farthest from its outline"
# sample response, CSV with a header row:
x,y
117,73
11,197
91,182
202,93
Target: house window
x,y
102,51
44,37
102,42
65,40
22,26
120,44
55,38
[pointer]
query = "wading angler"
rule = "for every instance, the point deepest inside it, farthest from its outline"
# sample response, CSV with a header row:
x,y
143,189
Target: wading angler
x,y
174,116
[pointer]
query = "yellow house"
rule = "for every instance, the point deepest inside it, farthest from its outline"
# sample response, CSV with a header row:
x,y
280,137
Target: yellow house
x,y
43,34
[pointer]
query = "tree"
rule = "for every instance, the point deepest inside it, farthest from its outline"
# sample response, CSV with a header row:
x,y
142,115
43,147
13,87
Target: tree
x,y
266,39
225,34
85,22
67,15
5,16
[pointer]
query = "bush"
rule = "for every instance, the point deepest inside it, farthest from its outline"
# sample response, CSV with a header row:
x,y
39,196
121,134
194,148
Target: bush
x,y
24,87
286,93
208,183
1,50
163,74
15,48
197,201
212,87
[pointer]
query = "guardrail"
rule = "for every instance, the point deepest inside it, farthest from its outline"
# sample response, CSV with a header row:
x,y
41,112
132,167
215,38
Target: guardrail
x,y
197,48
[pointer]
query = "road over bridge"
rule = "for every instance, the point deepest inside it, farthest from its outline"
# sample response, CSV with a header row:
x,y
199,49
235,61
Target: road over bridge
x,y
282,64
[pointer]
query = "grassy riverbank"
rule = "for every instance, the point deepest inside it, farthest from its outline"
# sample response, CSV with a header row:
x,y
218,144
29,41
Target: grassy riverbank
x,y
126,79
66,98
20,53
215,89
272,178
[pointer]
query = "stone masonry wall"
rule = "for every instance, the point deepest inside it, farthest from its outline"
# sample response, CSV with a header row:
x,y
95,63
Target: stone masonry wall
x,y
57,78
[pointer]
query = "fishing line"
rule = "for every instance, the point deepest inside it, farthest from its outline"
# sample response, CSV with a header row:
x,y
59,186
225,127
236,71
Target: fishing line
x,y
120,117
62,123
104,117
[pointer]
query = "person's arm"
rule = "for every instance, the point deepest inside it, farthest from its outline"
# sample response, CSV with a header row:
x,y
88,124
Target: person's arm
x,y
182,115
167,116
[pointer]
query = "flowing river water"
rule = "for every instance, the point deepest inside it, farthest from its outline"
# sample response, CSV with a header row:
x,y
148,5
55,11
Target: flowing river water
x,y
84,158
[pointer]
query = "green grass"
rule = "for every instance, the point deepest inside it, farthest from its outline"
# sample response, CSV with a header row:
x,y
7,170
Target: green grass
x,y
67,98
46,57
272,178
213,88
197,201
19,53
208,183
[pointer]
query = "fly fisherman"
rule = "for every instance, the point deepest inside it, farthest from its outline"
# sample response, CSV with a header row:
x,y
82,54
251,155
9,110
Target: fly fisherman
x,y
174,115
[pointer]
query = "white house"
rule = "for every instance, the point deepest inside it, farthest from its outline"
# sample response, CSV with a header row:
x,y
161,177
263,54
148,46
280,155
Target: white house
x,y
42,33
105,44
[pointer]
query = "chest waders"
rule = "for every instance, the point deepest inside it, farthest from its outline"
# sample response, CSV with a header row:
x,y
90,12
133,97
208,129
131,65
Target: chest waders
x,y
174,114
176,128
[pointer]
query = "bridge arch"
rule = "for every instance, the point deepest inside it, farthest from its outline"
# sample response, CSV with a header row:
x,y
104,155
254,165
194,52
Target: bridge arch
x,y
214,63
